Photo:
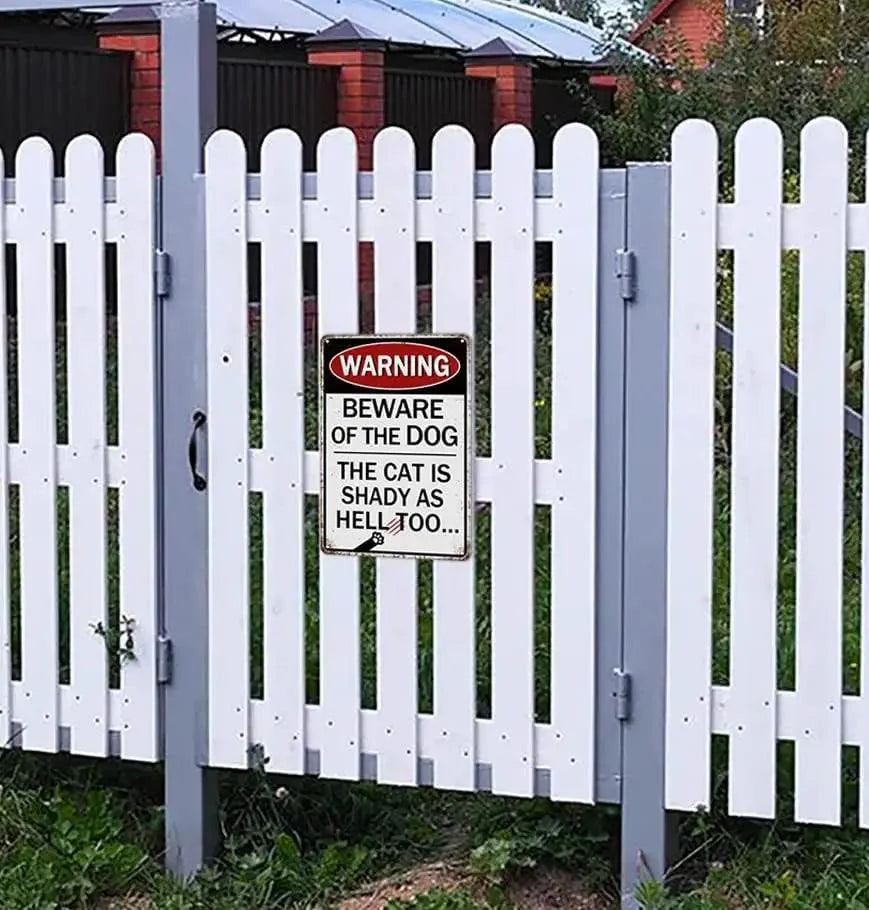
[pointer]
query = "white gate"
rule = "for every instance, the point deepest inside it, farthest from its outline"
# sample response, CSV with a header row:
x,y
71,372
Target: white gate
x,y
78,547
451,209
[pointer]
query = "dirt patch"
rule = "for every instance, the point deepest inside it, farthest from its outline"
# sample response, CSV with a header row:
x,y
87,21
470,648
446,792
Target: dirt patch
x,y
406,886
551,889
539,890
132,902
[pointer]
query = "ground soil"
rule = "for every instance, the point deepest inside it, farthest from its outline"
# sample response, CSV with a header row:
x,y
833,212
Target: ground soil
x,y
538,890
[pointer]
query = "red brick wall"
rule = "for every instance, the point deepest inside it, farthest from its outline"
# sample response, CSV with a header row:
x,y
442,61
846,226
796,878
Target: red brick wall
x,y
512,96
360,94
145,80
697,25
689,27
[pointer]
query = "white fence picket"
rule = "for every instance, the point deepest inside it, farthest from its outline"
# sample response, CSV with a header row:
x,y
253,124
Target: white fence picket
x,y
754,470
574,458
864,568
5,496
34,173
395,312
229,585
137,435
693,211
454,594
283,413
820,470
86,366
513,455
338,313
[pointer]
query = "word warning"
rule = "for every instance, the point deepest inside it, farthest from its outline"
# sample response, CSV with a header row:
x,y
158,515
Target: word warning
x,y
395,445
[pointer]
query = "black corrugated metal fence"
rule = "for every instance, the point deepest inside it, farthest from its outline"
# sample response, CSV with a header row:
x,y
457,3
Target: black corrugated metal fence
x,y
256,97
423,102
61,93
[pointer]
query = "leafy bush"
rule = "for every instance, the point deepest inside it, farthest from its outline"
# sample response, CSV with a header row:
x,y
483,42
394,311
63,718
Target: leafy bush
x,y
804,61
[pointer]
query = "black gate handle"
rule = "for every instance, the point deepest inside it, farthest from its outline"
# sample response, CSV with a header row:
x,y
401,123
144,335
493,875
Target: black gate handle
x,y
199,482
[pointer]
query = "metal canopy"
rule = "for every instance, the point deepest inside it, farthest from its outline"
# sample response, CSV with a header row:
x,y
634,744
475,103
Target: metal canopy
x,y
453,25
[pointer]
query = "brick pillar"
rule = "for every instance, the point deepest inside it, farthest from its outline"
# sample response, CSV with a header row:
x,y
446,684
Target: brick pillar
x,y
142,41
360,93
512,92
361,108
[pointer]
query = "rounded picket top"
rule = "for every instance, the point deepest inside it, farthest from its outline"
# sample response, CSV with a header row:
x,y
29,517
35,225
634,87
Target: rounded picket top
x,y
225,148
824,170
337,147
83,155
758,151
396,143
514,133
136,154
694,137
452,141
281,148
826,126
758,130
824,139
575,145
757,136
34,156
513,143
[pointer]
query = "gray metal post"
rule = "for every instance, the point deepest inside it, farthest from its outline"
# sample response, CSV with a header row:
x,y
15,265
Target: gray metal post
x,y
189,112
648,838
610,442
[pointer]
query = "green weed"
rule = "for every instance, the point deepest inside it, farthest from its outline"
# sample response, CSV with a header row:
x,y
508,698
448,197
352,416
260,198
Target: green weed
x,y
60,851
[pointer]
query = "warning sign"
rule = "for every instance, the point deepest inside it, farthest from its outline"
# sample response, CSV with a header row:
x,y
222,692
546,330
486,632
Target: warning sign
x,y
395,445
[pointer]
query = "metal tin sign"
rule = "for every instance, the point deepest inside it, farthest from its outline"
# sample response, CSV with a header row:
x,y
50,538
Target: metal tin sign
x,y
395,428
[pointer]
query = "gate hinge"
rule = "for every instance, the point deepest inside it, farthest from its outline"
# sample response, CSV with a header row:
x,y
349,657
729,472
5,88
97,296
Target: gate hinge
x,y
626,273
164,660
622,694
162,273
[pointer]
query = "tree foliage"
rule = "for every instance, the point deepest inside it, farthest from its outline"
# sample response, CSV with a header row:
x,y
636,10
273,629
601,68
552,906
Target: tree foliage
x,y
801,61
583,10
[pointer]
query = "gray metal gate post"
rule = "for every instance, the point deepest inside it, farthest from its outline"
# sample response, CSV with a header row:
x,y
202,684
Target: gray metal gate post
x,y
648,830
610,443
189,114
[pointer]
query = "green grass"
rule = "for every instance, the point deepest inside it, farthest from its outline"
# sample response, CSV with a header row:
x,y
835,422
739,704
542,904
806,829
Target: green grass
x,y
73,831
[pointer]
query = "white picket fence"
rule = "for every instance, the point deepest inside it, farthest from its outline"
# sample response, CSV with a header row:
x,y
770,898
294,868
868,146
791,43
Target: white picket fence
x,y
754,714
450,215
280,209
84,211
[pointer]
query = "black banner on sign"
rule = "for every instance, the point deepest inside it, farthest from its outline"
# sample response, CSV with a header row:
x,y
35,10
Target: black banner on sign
x,y
358,345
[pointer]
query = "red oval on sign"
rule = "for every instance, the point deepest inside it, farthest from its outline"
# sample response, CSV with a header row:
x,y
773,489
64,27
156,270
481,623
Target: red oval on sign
x,y
395,365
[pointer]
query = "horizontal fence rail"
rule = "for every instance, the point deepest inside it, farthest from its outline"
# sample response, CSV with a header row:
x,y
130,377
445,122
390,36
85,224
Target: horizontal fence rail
x,y
795,220
396,742
77,456
785,675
